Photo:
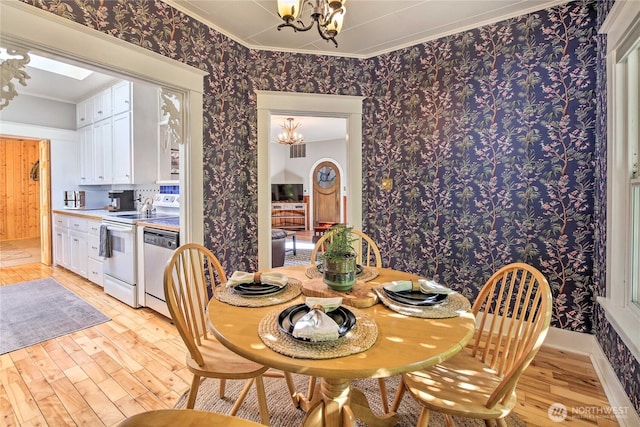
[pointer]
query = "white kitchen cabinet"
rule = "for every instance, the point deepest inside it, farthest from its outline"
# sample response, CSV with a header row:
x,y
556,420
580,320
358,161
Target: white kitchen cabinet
x,y
94,262
122,144
123,148
102,105
60,240
84,113
121,95
70,243
102,152
86,155
78,252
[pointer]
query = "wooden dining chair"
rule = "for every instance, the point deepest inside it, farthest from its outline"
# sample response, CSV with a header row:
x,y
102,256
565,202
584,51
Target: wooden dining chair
x,y
513,313
368,255
189,278
367,251
184,418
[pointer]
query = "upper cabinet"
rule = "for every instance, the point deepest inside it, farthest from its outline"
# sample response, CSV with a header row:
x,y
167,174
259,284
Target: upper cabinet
x,y
84,113
120,145
102,105
121,93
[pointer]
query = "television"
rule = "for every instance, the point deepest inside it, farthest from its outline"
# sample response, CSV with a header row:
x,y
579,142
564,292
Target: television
x,y
286,193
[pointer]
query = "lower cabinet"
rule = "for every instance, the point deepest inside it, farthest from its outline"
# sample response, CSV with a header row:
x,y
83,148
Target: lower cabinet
x,y
78,252
76,246
94,262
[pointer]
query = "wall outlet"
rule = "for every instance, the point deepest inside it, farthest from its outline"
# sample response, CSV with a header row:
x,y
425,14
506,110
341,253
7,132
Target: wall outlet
x,y
386,184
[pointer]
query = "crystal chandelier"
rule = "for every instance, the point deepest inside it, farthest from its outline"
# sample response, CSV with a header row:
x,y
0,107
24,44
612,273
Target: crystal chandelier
x,y
290,136
326,14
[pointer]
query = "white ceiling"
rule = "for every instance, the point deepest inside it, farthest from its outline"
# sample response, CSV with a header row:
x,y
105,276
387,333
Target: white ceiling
x,y
371,27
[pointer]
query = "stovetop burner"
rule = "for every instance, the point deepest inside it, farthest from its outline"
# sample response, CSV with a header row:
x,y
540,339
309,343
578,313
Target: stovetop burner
x,y
132,218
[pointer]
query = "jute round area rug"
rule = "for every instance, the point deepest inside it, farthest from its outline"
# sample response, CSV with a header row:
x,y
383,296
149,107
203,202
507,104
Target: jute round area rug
x,y
283,414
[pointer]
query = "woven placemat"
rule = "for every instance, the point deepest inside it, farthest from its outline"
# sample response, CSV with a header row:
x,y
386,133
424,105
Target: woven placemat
x,y
368,273
293,289
357,340
453,306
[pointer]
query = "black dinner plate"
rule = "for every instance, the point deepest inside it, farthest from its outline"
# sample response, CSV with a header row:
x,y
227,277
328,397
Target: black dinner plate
x,y
359,269
418,298
287,319
257,289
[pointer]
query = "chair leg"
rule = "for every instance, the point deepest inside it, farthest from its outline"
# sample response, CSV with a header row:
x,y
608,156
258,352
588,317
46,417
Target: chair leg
x,y
398,397
262,401
193,392
223,383
423,421
290,385
501,422
241,397
448,420
383,395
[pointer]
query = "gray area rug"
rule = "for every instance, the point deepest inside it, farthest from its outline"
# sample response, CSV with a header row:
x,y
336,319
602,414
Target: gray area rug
x,y
302,257
283,414
39,310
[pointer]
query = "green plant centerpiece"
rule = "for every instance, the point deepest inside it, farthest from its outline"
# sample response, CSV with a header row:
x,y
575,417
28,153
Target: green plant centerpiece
x,y
339,259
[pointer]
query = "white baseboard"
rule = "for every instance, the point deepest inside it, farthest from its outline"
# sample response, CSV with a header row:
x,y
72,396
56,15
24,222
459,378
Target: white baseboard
x,y
573,342
587,344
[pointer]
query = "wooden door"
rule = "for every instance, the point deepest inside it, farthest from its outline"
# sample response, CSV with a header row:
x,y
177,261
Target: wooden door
x,y
326,193
46,255
20,189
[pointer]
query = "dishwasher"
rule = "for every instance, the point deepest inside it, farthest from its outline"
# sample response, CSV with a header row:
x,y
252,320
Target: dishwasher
x,y
159,246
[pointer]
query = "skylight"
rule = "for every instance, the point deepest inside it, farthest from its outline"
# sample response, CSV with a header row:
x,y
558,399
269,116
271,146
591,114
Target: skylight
x,y
52,66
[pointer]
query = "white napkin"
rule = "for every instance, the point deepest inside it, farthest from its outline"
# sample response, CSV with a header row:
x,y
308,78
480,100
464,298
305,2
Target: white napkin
x,y
269,278
329,304
316,325
398,285
274,278
431,287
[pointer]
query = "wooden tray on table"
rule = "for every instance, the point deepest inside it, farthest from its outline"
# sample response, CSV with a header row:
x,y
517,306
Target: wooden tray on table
x,y
360,296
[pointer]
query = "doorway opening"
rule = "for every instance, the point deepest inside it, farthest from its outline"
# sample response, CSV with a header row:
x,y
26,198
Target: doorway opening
x,y
281,103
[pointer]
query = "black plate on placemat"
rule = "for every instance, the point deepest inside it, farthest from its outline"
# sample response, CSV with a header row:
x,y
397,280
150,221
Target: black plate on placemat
x,y
415,297
257,289
287,319
359,269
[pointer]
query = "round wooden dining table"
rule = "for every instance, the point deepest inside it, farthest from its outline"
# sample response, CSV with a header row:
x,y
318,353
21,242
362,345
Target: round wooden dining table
x,y
404,344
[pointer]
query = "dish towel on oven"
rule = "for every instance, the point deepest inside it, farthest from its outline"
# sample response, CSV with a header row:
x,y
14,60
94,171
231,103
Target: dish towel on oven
x,y
105,242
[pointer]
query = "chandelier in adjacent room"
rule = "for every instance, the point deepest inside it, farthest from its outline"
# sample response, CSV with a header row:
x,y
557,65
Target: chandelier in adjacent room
x,y
326,14
290,136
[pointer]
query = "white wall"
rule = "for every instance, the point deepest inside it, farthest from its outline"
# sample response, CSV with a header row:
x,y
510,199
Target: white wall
x,y
40,111
296,171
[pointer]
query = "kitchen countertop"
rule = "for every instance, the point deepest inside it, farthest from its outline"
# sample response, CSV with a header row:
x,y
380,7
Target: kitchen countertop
x,y
97,214
170,224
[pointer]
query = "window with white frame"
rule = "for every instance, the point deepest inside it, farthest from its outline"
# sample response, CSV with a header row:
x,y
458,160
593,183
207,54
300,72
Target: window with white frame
x,y
622,302
631,61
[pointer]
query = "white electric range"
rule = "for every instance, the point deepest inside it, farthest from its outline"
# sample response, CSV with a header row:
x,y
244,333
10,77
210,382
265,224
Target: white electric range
x,y
121,267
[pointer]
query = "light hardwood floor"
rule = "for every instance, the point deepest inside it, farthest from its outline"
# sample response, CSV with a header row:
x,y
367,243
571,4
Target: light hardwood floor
x,y
135,362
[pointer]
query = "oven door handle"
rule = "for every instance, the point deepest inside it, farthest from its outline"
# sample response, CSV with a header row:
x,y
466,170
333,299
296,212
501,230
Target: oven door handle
x,y
119,228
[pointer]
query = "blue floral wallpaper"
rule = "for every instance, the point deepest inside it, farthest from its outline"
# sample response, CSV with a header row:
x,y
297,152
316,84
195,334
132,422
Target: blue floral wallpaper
x,y
494,138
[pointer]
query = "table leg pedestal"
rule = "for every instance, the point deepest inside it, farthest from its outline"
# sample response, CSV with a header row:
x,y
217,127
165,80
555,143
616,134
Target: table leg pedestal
x,y
338,406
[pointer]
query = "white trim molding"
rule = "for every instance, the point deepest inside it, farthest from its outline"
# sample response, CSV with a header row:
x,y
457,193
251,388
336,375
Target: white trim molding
x,y
281,103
